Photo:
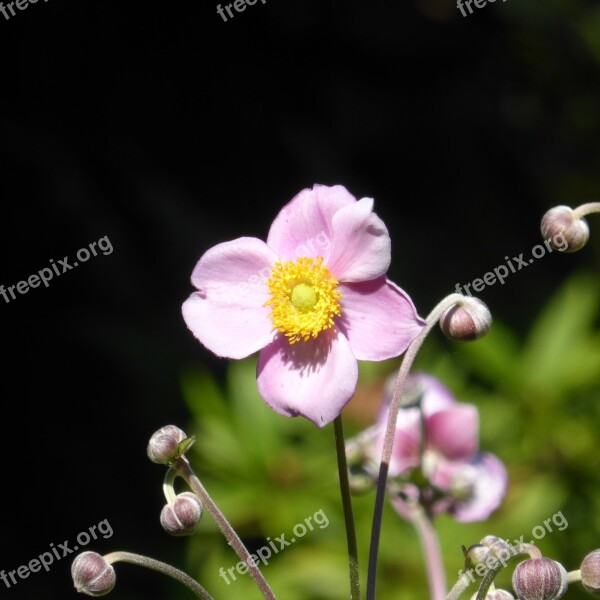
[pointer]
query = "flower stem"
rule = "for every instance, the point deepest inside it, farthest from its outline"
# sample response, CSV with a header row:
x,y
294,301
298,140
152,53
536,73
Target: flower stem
x,y
459,587
486,582
586,209
431,549
388,442
185,470
347,504
574,576
168,488
160,567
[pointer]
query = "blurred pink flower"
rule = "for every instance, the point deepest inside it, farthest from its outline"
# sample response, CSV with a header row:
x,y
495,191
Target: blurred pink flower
x,y
313,300
460,480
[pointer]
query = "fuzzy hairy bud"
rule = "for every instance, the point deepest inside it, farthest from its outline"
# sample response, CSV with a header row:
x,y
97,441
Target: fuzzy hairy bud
x,y
540,579
590,573
563,231
164,444
468,320
182,516
92,575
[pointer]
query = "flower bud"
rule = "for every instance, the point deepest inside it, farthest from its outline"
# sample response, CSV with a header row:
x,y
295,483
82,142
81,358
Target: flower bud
x,y
92,575
182,516
475,555
498,548
496,595
468,320
590,573
563,231
540,579
164,444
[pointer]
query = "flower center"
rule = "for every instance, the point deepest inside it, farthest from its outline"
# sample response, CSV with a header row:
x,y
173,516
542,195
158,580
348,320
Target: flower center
x,y
304,296
304,300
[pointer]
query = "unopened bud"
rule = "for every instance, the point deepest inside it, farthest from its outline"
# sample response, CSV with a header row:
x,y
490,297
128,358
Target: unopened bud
x,y
498,548
163,447
590,573
540,579
496,595
467,320
92,575
563,231
475,555
182,516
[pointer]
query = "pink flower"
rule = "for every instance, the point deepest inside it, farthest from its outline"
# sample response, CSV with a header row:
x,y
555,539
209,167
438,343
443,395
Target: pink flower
x,y
460,480
313,300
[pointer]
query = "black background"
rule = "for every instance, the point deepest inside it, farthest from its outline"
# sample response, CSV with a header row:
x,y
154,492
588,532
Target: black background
x,y
168,130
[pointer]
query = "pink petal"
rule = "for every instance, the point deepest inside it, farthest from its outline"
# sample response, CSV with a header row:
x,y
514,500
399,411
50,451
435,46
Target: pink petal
x,y
407,440
454,432
489,480
303,226
436,396
361,248
378,319
227,313
313,379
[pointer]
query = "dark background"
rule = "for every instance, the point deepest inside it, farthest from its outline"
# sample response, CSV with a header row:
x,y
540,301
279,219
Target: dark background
x,y
168,130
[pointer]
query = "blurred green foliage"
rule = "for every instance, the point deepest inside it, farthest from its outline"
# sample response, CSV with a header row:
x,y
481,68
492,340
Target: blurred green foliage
x,y
538,402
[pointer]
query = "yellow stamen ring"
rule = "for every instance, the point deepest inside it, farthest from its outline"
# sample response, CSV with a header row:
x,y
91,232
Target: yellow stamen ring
x,y
304,300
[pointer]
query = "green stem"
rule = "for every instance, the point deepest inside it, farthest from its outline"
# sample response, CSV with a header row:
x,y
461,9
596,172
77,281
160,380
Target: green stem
x,y
487,581
160,567
185,470
347,505
388,442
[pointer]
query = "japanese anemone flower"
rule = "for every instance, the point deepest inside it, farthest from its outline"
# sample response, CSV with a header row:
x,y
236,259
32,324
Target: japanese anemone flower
x,y
313,300
442,439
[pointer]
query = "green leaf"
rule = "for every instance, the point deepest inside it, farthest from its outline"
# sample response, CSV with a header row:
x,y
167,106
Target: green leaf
x,y
560,353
